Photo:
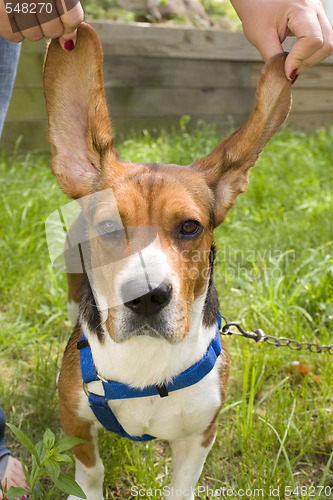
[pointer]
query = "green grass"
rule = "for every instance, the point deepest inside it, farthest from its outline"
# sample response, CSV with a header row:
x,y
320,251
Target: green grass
x,y
274,271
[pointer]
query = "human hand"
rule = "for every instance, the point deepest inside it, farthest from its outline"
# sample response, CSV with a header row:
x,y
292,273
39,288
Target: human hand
x,y
266,24
34,20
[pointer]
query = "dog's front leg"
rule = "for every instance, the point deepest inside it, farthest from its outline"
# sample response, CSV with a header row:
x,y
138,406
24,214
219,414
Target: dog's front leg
x,y
89,469
78,421
189,456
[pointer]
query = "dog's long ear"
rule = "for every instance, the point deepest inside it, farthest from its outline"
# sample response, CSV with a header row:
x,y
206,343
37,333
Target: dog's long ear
x,y
79,127
227,167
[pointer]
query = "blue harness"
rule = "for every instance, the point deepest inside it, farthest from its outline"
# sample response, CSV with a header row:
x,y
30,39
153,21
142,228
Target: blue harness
x,y
117,390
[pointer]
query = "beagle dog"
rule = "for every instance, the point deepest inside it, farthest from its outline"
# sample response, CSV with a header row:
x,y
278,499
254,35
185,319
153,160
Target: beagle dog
x,y
145,358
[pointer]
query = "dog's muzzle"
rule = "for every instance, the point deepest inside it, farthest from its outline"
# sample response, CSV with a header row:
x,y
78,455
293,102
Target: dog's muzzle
x,y
148,303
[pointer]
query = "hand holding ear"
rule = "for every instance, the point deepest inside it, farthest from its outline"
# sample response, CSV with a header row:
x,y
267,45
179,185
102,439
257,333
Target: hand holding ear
x,y
266,24
35,20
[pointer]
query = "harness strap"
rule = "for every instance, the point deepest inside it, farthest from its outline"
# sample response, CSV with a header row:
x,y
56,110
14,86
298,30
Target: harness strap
x,y
106,417
117,390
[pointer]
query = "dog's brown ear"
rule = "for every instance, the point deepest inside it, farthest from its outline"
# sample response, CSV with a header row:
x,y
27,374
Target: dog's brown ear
x,y
79,127
227,167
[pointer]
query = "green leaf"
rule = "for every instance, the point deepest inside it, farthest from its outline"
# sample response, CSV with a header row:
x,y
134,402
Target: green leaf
x,y
53,468
69,486
25,441
49,439
62,458
67,442
15,492
41,450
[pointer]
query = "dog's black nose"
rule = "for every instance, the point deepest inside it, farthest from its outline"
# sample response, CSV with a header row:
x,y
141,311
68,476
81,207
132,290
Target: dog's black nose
x,y
150,302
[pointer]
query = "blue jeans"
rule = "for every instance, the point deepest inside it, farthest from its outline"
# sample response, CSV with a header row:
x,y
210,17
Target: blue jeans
x,y
4,452
3,448
9,57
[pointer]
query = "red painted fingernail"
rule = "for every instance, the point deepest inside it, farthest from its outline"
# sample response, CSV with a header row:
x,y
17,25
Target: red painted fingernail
x,y
293,76
69,45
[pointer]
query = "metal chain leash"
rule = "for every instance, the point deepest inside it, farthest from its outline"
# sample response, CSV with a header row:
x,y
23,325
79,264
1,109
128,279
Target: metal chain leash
x,y
260,336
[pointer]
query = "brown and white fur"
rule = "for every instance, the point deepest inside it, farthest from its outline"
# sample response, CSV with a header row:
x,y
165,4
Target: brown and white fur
x,y
127,346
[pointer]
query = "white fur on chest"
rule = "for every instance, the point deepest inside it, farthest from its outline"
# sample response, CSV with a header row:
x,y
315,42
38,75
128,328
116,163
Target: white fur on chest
x,y
181,413
143,361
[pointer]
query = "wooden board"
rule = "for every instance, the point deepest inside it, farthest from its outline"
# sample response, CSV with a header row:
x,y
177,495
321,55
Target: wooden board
x,y
310,121
30,70
139,71
315,77
33,135
27,103
178,42
154,75
152,101
30,136
312,100
166,41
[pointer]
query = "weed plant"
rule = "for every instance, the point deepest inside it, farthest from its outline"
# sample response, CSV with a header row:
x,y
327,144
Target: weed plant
x,y
274,270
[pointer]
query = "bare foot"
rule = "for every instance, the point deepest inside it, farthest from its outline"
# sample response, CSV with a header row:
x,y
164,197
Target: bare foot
x,y
14,476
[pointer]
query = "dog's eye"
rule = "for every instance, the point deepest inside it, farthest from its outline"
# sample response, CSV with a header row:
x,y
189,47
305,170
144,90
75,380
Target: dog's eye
x,y
107,229
190,229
